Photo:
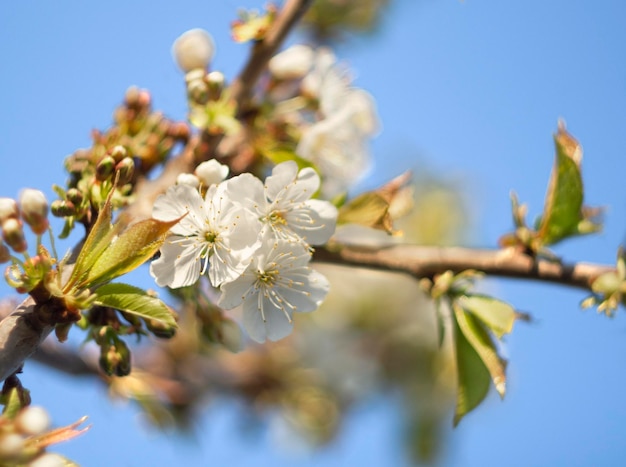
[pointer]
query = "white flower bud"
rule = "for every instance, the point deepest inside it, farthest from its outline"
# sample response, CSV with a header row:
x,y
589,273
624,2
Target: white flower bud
x,y
32,420
216,79
193,49
8,209
34,207
292,63
11,446
211,172
188,179
49,459
14,235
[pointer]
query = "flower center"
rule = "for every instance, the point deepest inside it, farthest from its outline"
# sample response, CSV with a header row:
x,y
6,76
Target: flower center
x,y
276,218
267,278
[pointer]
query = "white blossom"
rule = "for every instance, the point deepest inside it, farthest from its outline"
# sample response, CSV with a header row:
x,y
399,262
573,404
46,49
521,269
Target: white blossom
x,y
285,206
276,283
213,235
211,172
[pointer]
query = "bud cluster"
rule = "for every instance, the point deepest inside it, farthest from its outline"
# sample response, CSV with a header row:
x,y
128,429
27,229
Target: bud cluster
x,y
32,209
139,140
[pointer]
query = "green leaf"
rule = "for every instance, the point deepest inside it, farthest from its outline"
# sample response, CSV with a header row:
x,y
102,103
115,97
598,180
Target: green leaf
x,y
128,251
563,214
99,238
472,375
498,316
478,337
368,209
135,301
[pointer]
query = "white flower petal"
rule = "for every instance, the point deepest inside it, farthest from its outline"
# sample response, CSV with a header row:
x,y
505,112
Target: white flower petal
x,y
275,326
178,266
314,221
309,294
282,175
233,293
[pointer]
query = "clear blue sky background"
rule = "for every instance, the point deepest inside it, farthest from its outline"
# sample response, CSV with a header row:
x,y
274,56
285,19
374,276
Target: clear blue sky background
x,y
471,90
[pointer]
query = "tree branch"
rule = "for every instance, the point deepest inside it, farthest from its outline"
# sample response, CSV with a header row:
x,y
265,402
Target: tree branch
x,y
428,261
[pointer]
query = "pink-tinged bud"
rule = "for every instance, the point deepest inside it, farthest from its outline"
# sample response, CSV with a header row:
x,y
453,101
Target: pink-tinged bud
x,y
126,168
5,254
105,168
193,49
34,208
118,152
13,235
8,209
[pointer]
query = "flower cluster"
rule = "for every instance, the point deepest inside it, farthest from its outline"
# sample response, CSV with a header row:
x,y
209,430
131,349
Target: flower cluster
x,y
253,239
345,118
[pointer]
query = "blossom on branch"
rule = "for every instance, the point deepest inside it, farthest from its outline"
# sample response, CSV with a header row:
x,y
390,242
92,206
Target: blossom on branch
x,y
213,235
276,283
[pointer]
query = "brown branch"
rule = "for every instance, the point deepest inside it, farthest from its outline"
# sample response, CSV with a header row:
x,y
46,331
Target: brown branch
x,y
428,261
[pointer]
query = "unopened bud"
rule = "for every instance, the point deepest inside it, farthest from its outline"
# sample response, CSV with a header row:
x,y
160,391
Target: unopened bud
x,y
125,168
179,130
118,152
105,168
13,235
137,98
11,446
5,254
193,49
211,172
49,459
61,208
160,329
115,359
188,179
75,196
32,420
292,63
34,208
8,209
216,80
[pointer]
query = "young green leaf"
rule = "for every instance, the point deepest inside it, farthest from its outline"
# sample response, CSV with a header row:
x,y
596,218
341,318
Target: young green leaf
x,y
498,316
563,214
478,337
128,251
368,209
135,301
97,241
473,377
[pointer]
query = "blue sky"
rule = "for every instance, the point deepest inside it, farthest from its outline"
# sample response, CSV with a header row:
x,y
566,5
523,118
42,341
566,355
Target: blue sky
x,y
469,90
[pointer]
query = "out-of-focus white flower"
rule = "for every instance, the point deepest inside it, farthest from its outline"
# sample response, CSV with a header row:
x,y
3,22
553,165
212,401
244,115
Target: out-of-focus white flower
x,y
213,235
193,49
323,72
32,420
277,283
292,63
188,179
211,172
284,204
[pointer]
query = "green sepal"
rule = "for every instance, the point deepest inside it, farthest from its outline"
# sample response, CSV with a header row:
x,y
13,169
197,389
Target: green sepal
x,y
12,404
135,301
